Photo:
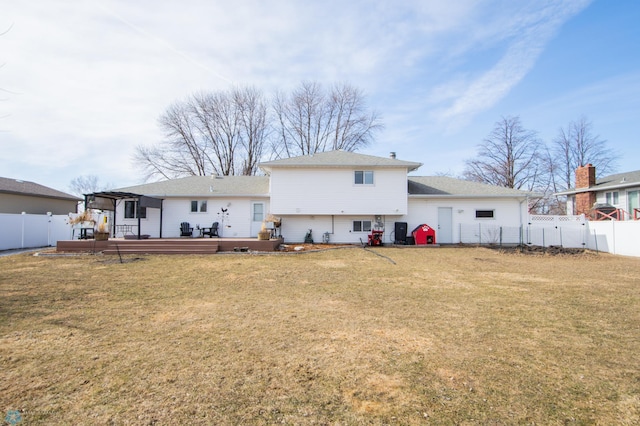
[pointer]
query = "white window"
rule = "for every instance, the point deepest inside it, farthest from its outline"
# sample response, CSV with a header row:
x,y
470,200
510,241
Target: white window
x,y
361,226
612,197
131,210
633,198
363,177
199,206
258,212
485,214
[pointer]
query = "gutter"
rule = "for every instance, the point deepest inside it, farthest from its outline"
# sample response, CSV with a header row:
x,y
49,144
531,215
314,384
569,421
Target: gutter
x,y
450,196
597,188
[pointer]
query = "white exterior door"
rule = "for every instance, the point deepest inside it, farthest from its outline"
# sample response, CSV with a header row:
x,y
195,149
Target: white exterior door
x,y
634,202
445,226
257,216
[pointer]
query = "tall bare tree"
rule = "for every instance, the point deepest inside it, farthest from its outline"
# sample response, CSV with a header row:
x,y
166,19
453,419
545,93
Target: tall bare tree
x,y
84,185
230,132
576,145
311,120
254,128
219,133
510,157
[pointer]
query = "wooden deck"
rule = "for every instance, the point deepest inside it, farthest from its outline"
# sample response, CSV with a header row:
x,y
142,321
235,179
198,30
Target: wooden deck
x,y
168,245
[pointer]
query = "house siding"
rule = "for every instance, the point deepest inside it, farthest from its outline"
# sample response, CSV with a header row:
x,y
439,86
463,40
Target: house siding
x,y
340,228
33,204
332,191
178,209
623,199
508,212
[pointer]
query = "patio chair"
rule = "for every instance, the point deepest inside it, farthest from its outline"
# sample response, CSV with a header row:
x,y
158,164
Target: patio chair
x,y
211,232
185,229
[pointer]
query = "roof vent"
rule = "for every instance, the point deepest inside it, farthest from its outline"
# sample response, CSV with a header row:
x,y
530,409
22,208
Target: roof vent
x,y
392,155
624,179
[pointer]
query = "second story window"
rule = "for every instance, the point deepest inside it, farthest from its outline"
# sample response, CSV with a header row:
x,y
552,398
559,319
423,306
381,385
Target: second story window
x,y
363,177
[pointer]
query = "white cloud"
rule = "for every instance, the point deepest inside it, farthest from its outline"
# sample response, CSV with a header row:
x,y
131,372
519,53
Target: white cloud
x,y
93,76
527,34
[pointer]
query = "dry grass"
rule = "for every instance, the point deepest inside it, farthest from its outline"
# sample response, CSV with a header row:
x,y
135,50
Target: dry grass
x,y
443,336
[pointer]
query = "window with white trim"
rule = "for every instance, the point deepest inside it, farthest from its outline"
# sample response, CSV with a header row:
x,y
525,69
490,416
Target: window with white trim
x,y
612,198
361,226
363,177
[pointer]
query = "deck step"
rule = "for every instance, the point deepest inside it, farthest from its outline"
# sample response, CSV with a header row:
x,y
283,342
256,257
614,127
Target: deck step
x,y
162,247
167,245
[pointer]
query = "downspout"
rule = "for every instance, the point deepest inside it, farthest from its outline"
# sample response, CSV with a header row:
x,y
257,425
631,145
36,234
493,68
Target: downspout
x,y
138,215
161,209
526,199
114,216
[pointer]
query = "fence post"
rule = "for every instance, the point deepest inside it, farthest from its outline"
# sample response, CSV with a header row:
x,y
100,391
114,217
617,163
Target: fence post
x,y
49,214
501,237
24,214
560,229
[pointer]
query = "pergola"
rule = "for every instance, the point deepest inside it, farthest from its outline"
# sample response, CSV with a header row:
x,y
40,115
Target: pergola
x,y
107,200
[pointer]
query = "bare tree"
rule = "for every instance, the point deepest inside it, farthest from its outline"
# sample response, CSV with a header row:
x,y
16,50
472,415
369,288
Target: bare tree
x,y
219,133
216,118
252,113
312,120
184,152
576,146
510,157
230,132
354,124
87,184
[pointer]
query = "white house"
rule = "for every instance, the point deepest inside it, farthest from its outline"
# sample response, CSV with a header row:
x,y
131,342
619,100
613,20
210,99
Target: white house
x,y
337,194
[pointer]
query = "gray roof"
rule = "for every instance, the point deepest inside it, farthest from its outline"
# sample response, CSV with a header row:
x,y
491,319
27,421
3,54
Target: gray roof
x,y
229,186
435,186
616,181
339,158
23,187
211,186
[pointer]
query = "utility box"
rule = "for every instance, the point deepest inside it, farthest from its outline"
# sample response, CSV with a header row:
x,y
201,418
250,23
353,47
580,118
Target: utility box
x,y
424,234
400,234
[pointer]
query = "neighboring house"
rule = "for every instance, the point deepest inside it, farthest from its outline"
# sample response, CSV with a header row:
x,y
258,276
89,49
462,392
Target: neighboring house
x,y
339,193
610,197
17,196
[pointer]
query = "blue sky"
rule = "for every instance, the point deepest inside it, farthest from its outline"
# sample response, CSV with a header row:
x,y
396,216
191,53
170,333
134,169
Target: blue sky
x,y
82,83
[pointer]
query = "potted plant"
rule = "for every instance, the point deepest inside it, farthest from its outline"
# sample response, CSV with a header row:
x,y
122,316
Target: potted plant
x,y
102,232
264,233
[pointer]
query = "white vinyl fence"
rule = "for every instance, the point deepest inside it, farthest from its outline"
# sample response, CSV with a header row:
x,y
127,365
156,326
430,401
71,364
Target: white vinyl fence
x,y
616,237
32,230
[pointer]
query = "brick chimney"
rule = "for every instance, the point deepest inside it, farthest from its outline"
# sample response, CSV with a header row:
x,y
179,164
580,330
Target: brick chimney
x,y
585,178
